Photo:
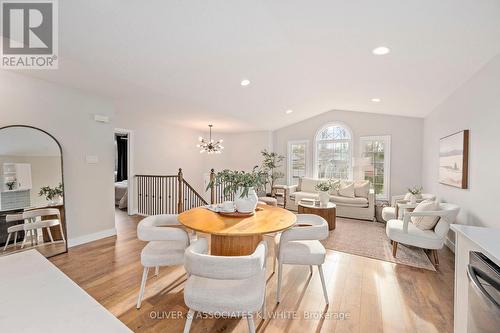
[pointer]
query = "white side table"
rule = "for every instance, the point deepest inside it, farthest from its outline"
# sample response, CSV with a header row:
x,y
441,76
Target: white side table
x,y
402,207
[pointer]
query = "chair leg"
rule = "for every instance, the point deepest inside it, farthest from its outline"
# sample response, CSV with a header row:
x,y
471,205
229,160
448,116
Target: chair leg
x,y
435,255
15,238
263,310
7,242
157,270
280,270
189,321
251,324
36,236
50,235
320,269
311,269
24,239
143,286
62,233
394,248
31,235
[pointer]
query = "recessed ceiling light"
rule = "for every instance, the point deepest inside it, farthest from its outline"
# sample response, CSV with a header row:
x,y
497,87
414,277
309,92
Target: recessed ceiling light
x,y
381,50
376,100
288,111
245,82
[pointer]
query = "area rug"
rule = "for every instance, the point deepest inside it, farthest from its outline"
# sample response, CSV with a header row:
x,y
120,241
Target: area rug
x,y
368,239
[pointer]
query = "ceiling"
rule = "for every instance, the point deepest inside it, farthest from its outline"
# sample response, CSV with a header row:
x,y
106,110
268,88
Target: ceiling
x,y
184,60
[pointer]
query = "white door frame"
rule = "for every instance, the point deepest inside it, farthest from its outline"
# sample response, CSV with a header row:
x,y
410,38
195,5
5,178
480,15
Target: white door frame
x,y
131,210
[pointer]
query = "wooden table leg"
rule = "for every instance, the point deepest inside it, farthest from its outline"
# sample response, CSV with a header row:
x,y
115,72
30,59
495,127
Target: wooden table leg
x,y
234,245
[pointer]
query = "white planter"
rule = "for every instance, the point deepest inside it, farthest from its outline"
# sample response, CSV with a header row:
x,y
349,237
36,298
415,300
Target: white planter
x,y
246,204
412,199
324,197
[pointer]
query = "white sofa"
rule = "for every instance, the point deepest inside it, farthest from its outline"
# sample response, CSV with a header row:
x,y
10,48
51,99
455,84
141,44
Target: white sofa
x,y
357,207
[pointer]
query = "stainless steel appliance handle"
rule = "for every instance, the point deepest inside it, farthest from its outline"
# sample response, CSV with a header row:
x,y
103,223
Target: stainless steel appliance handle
x,y
472,273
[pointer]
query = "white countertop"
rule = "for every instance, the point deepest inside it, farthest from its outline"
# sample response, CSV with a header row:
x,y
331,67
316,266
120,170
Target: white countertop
x,y
36,296
488,239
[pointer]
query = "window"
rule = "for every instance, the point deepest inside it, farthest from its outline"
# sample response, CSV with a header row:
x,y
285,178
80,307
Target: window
x,y
378,150
297,160
333,152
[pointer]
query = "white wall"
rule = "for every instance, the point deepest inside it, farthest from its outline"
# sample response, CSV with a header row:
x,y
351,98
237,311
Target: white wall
x,y
68,115
162,148
406,141
474,106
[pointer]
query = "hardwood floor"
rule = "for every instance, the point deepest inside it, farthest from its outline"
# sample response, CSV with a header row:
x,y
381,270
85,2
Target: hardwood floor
x,y
366,295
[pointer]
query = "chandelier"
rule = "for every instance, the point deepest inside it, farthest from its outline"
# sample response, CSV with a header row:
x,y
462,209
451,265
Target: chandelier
x,y
210,146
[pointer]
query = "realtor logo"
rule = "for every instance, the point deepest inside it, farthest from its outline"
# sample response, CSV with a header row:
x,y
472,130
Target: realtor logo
x,y
29,34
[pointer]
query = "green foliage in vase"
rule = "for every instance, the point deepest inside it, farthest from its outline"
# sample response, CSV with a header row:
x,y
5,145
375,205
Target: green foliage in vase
x,y
232,180
271,162
415,190
51,193
10,185
324,186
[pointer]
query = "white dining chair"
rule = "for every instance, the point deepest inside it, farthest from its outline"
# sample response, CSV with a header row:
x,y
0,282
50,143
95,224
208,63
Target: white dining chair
x,y
167,242
227,286
34,222
13,229
300,245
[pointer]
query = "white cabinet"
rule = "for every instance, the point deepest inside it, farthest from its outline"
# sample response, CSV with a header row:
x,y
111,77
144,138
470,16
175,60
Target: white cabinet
x,y
18,172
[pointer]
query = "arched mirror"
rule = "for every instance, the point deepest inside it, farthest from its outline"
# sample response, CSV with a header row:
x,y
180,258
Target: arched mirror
x,y
31,192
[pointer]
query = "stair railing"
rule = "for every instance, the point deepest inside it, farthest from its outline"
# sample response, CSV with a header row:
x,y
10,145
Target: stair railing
x,y
170,194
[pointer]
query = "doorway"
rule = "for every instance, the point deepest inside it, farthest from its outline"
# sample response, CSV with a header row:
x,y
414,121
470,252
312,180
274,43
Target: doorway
x,y
123,173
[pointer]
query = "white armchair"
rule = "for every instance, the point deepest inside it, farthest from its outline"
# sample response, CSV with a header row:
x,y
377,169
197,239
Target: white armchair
x,y
391,213
300,246
166,245
229,286
405,232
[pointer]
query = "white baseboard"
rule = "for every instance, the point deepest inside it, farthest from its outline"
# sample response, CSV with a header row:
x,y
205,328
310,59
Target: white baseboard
x,y
91,237
450,244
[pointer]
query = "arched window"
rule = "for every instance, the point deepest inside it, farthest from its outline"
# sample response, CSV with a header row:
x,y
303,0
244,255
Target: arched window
x,y
333,152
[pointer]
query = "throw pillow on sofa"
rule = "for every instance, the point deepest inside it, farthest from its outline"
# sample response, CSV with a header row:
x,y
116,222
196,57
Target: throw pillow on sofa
x,y
362,188
308,184
425,222
346,189
335,186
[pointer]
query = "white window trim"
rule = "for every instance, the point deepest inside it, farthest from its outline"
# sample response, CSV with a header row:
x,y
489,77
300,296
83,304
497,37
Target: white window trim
x,y
387,161
289,165
334,123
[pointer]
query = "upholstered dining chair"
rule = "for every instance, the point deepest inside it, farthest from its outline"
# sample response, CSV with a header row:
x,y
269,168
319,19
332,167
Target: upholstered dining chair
x,y
230,286
391,212
300,246
405,232
167,242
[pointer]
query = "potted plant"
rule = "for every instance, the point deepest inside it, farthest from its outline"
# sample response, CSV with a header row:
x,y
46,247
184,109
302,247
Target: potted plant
x,y
244,185
413,194
323,189
272,161
52,195
10,185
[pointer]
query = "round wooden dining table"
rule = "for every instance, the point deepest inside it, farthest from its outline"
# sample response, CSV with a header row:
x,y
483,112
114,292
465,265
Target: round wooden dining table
x,y
237,236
